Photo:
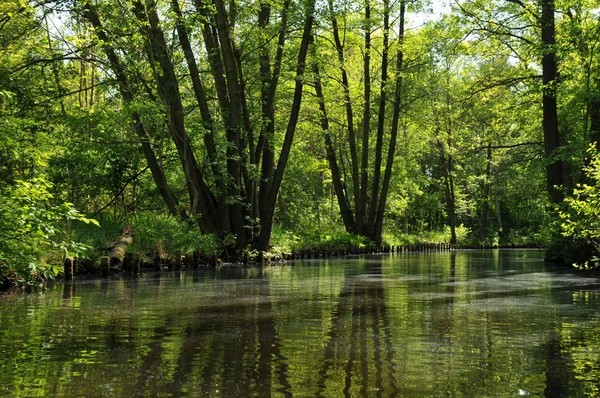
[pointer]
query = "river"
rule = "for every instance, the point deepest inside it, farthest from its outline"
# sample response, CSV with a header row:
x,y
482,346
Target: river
x,y
466,323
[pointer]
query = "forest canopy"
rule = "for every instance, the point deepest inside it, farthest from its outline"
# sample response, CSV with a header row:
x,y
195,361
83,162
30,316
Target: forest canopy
x,y
251,125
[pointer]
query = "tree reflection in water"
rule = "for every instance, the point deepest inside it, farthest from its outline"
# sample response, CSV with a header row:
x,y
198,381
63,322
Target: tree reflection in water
x,y
432,324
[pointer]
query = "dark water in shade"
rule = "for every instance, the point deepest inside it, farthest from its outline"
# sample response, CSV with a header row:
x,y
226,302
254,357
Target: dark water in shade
x,y
464,324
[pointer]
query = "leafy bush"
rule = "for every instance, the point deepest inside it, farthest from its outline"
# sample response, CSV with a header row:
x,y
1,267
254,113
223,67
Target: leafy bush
x,y
580,217
34,232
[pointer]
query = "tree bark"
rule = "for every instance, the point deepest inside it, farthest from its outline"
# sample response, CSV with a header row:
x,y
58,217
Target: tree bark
x,y
338,187
234,127
380,127
446,169
554,168
363,225
358,208
267,222
485,205
394,130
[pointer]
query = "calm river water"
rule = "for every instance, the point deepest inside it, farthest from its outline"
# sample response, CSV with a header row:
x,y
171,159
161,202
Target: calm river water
x,y
467,323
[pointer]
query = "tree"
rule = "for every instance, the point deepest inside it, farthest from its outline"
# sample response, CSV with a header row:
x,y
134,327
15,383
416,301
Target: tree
x,y
239,188
518,26
362,211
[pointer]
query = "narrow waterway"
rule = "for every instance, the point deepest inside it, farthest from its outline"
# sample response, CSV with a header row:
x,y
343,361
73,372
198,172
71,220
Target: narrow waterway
x,y
466,323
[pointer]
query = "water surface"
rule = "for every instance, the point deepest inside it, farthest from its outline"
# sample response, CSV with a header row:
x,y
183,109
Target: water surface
x,y
467,323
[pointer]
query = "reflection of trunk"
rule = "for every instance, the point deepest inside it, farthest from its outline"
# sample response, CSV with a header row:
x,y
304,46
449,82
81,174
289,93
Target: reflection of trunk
x,y
556,370
362,304
270,362
225,356
446,168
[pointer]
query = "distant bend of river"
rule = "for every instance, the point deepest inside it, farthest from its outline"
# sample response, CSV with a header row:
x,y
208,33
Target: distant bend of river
x,y
466,323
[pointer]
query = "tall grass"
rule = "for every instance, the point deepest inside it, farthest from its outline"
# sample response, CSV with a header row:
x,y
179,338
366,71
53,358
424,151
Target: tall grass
x,y
152,231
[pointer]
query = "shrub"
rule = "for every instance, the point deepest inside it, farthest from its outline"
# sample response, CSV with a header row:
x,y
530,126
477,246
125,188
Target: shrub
x,y
35,233
580,216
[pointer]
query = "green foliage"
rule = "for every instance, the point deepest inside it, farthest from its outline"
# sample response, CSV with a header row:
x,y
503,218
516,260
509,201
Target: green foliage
x,y
580,217
286,241
156,231
428,236
35,233
471,100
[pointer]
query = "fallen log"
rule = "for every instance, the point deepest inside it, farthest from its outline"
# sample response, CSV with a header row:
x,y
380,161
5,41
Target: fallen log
x,y
119,248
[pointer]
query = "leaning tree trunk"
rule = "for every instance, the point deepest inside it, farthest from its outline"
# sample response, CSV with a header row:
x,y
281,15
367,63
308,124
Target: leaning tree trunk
x,y
359,207
117,68
266,223
336,176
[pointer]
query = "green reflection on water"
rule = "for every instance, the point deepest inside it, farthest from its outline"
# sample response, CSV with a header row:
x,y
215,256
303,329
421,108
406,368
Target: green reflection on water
x,y
472,323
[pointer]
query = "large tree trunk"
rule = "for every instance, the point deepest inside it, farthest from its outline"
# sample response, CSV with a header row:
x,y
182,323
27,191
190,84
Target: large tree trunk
x,y
368,209
202,206
554,168
485,205
225,196
363,224
358,206
336,176
394,130
234,152
266,223
374,202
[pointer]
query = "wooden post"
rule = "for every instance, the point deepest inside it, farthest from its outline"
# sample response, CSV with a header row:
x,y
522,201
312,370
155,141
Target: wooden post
x,y
136,264
196,259
69,268
105,266
156,262
177,262
188,259
128,262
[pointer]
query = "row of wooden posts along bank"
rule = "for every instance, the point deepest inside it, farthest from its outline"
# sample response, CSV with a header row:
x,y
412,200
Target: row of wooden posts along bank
x,y
134,263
